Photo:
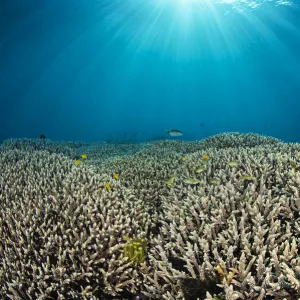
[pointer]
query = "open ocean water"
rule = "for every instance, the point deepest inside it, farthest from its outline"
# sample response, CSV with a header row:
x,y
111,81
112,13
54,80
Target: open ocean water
x,y
150,149
130,70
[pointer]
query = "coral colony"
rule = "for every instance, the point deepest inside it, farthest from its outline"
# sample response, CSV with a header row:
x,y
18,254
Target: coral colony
x,y
213,219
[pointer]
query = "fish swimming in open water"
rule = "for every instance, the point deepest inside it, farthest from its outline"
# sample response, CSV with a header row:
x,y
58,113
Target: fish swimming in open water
x,y
174,132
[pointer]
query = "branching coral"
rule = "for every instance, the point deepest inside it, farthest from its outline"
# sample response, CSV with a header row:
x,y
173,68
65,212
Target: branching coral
x,y
61,231
30,145
244,236
234,234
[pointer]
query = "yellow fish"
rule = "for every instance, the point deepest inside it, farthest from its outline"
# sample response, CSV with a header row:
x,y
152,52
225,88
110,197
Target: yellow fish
x,y
83,156
183,158
191,181
205,156
247,177
170,181
220,271
214,181
116,176
230,277
199,170
233,163
107,185
77,162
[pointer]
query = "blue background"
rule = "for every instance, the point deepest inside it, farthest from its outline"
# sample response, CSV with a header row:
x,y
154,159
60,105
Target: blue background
x,y
129,70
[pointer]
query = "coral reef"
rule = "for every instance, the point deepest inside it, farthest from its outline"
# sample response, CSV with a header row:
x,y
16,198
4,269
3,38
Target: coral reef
x,y
228,140
61,231
29,145
234,234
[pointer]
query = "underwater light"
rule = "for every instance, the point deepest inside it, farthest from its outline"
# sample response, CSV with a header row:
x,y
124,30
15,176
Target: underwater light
x,y
237,4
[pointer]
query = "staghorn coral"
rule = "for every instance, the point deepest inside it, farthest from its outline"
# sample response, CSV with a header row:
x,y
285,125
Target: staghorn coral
x,y
247,232
30,145
102,152
235,238
235,139
61,231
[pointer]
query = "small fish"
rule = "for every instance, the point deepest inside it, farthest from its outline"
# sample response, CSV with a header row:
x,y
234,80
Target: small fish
x,y
214,181
247,177
183,158
230,277
170,181
220,271
116,176
126,238
83,156
174,132
205,156
233,164
77,162
107,185
192,181
199,170
42,137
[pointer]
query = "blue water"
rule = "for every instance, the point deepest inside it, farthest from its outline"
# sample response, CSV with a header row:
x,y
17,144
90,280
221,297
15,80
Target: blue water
x,y
129,70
